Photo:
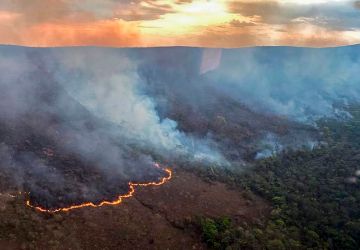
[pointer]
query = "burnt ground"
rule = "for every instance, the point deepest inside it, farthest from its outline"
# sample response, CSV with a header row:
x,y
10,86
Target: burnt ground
x,y
55,149
37,162
155,218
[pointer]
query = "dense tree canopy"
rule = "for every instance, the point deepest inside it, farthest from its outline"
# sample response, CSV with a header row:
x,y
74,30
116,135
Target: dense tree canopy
x,y
315,195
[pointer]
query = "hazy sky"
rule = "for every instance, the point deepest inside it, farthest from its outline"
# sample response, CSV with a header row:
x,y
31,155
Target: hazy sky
x,y
212,23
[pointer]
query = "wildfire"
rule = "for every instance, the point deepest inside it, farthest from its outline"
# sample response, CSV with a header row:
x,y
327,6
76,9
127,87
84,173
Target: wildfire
x,y
111,203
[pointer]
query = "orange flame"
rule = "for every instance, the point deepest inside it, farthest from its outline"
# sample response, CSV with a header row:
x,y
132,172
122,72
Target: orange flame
x,y
111,203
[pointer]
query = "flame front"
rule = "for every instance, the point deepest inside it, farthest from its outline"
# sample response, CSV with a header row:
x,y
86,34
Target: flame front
x,y
111,203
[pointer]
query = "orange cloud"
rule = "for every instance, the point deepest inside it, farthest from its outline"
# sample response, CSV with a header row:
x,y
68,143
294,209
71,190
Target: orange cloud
x,y
114,33
58,23
98,33
6,16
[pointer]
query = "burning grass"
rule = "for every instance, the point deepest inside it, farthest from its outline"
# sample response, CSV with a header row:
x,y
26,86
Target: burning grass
x,y
117,201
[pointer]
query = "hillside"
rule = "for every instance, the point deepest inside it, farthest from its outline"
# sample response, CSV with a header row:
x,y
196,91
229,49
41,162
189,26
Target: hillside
x,y
272,132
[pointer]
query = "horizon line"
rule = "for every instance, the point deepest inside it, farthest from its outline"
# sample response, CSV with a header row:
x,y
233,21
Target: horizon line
x,y
179,46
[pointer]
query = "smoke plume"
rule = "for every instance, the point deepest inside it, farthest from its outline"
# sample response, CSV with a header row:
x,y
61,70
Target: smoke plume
x,y
77,124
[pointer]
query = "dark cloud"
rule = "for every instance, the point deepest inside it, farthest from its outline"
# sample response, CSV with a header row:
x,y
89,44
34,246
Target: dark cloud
x,y
241,24
263,9
151,11
127,10
183,1
357,4
38,11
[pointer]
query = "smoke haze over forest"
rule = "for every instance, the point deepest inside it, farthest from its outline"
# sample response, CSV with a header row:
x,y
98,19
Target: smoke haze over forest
x,y
120,109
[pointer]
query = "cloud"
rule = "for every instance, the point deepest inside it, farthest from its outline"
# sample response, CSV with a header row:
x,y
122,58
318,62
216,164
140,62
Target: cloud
x,y
334,15
61,23
295,34
158,23
240,24
76,23
147,10
95,33
265,9
183,1
98,33
38,11
357,4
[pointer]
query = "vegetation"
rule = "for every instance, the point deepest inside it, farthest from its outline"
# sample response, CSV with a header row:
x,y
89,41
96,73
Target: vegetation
x,y
315,195
217,233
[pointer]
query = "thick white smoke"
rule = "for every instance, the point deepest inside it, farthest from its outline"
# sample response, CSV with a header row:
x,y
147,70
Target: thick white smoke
x,y
108,85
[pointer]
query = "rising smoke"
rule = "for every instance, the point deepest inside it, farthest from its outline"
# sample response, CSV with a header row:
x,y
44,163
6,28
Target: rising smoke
x,y
71,112
302,84
110,113
107,83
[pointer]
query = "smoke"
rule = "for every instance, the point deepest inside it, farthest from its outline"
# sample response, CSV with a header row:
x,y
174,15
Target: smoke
x,y
281,91
93,119
270,146
76,125
107,83
273,144
301,84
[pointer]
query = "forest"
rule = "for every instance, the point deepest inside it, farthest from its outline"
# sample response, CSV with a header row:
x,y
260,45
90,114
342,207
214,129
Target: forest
x,y
314,195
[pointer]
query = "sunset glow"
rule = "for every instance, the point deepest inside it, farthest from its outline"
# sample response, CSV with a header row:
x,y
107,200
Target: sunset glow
x,y
212,23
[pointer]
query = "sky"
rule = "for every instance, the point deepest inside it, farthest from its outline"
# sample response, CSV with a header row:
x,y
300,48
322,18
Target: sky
x,y
204,23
